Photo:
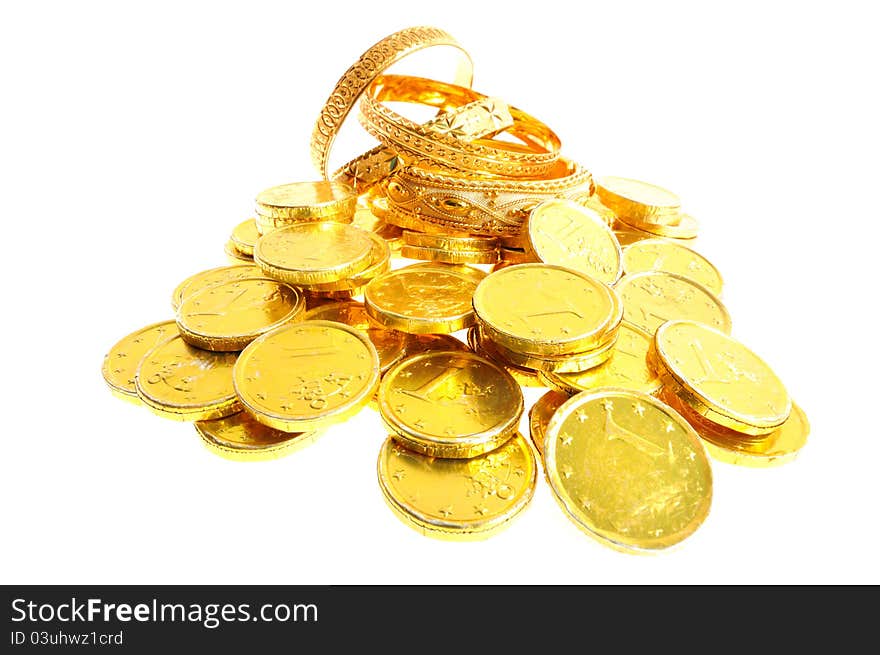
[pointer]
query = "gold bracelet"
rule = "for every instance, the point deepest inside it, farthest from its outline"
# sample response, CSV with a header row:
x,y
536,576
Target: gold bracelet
x,y
432,201
360,75
534,158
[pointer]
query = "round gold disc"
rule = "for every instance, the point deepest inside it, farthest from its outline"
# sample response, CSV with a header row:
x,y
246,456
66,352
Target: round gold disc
x,y
450,404
569,363
450,242
121,361
305,376
685,227
670,257
240,437
229,315
210,277
458,499
380,259
541,413
526,377
720,378
627,469
313,253
235,256
244,236
307,201
449,256
181,382
567,234
424,298
637,200
653,297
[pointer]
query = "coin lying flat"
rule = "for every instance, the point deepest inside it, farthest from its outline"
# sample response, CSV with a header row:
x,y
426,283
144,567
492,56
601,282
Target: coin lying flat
x,y
568,363
450,404
545,310
567,234
638,201
313,253
671,257
242,438
235,256
653,297
244,236
305,376
210,277
178,381
458,499
450,242
121,361
719,378
627,469
424,298
449,256
379,262
541,413
686,227
229,315
525,377
422,343
308,201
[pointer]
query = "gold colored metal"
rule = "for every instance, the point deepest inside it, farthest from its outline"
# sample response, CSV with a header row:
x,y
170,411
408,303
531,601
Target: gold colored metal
x,y
314,253
633,200
203,279
670,257
422,343
234,255
685,228
380,262
627,367
184,383
307,201
654,297
719,378
244,236
543,310
565,233
627,469
452,242
526,377
241,438
391,345
450,404
458,499
424,298
121,361
449,256
231,314
541,413
567,363
306,376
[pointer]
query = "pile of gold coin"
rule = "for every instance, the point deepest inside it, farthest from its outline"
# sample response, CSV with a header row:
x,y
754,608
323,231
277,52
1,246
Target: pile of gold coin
x,y
433,277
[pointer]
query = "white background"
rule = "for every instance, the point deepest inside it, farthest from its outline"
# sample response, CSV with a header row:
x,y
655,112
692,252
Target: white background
x,y
135,137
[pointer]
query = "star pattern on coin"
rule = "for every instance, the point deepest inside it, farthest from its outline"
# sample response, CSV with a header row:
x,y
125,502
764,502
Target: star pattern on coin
x,y
639,409
399,474
482,510
446,511
565,439
582,416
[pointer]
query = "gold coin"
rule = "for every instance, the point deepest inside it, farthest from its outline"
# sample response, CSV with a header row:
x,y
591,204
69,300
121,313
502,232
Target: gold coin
x,y
308,375
308,201
450,404
654,297
231,314
235,256
720,378
450,242
567,234
625,236
525,377
121,362
422,343
313,253
545,310
626,368
390,344
686,227
458,499
424,298
638,201
592,201
244,236
380,262
449,256
627,469
241,438
541,413
671,257
181,382
568,363
212,276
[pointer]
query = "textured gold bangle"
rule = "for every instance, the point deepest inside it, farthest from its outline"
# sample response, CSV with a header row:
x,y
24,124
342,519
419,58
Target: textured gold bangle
x,y
417,197
535,159
372,63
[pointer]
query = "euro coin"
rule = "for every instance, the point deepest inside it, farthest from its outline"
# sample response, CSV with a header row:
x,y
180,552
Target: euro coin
x,y
235,256
308,201
541,413
121,362
670,257
212,276
380,262
244,236
242,438
638,201
526,377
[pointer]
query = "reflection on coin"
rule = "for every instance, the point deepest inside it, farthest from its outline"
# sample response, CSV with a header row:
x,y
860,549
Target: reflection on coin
x,y
244,236
308,201
638,201
671,257
210,277
541,413
122,360
241,438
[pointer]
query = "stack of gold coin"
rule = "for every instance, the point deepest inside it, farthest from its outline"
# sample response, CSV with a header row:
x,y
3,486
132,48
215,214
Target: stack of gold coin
x,y
594,292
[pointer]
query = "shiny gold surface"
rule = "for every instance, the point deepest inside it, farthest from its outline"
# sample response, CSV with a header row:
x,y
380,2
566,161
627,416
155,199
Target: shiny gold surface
x,y
314,253
450,242
449,256
458,499
204,279
567,363
380,262
627,469
670,257
685,227
626,368
652,298
241,438
450,404
541,413
244,236
720,378
229,315
121,361
424,298
565,233
234,256
545,310
177,381
422,343
638,201
526,377
307,201
308,375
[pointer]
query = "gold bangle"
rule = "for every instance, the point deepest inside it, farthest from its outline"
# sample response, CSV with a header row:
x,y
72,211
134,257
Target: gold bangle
x,y
420,197
372,63
485,157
